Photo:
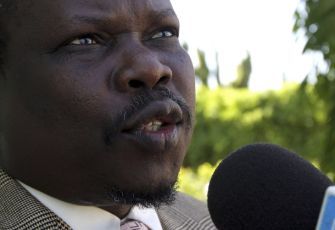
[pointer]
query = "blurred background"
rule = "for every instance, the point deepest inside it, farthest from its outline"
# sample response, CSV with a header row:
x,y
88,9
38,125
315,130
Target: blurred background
x,y
265,72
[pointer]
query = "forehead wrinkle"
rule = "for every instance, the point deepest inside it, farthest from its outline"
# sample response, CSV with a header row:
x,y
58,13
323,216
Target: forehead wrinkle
x,y
159,16
148,6
103,20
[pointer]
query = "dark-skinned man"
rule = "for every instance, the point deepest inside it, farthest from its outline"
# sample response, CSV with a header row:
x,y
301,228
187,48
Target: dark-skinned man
x,y
97,104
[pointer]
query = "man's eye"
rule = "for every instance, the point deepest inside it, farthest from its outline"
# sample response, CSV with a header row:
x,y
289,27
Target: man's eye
x,y
84,41
163,34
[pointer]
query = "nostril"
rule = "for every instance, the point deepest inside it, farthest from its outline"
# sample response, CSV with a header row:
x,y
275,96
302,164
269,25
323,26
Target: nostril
x,y
136,84
139,84
163,80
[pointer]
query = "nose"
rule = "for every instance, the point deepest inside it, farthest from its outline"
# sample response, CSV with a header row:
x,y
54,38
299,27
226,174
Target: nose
x,y
141,68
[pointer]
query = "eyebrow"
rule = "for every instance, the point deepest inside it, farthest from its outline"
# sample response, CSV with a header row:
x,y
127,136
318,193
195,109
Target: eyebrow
x,y
153,16
162,14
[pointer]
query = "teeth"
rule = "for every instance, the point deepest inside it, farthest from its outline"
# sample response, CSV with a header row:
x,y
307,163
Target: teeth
x,y
153,126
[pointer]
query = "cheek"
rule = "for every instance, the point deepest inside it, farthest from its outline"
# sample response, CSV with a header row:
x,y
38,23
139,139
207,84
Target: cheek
x,y
54,94
184,78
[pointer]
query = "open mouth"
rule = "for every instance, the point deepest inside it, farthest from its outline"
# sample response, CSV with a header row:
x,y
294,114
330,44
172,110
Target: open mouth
x,y
160,116
157,128
155,125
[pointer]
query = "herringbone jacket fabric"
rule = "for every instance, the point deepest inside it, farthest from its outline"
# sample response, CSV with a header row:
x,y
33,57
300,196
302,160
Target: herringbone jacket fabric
x,y
19,210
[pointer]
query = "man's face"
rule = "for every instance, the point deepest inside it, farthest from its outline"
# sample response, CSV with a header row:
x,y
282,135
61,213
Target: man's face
x,y
99,97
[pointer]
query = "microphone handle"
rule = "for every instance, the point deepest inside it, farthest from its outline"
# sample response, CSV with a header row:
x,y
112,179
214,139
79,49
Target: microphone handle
x,y
326,219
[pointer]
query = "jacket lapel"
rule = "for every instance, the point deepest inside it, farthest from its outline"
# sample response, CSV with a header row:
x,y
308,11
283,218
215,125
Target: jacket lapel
x,y
185,213
172,219
20,210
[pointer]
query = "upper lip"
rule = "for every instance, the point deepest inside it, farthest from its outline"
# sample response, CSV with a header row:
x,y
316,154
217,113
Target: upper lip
x,y
168,112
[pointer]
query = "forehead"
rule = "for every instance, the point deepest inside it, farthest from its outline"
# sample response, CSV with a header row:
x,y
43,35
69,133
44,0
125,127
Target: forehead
x,y
117,8
42,17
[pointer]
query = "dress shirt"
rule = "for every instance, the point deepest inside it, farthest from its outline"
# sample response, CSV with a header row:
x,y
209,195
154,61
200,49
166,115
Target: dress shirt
x,y
81,217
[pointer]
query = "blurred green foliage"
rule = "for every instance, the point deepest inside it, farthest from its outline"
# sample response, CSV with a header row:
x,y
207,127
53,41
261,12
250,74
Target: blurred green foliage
x,y
243,73
228,118
195,182
317,20
300,117
202,71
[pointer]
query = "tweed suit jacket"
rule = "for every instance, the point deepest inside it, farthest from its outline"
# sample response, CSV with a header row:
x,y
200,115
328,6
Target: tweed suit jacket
x,y
20,210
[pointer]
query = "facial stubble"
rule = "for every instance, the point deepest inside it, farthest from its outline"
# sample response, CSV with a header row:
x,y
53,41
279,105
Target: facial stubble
x,y
156,195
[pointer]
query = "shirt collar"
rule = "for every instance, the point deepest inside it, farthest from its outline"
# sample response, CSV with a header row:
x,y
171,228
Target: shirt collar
x,y
89,217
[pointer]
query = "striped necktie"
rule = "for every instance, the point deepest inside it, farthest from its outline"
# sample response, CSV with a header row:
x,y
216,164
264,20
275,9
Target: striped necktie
x,y
134,225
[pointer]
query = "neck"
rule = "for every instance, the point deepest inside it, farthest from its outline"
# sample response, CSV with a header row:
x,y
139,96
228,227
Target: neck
x,y
120,211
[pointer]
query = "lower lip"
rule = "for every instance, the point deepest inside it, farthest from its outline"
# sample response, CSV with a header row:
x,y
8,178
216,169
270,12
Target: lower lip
x,y
161,140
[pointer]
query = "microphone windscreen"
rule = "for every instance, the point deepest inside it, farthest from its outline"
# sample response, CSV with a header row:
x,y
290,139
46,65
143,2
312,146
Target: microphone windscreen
x,y
264,186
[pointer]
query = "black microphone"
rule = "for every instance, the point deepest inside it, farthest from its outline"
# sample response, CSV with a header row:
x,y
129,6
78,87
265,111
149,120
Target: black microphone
x,y
264,186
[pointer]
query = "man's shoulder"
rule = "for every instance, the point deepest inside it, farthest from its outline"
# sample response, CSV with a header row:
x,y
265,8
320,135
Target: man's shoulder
x,y
185,213
20,210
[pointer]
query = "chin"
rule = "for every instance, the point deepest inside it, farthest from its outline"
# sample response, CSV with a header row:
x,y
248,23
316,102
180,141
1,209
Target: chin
x,y
147,195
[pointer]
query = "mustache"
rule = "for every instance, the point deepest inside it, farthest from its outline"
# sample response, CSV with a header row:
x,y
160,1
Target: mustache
x,y
140,101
